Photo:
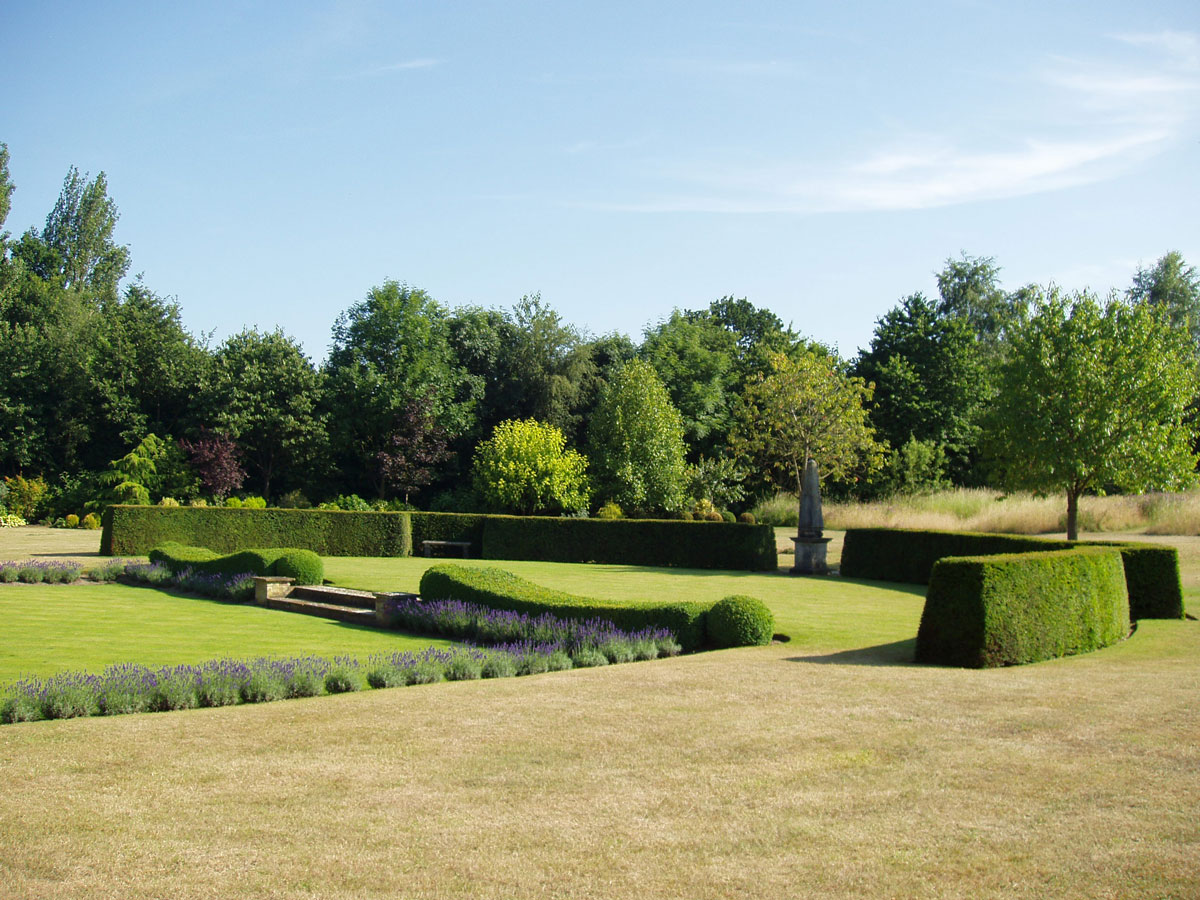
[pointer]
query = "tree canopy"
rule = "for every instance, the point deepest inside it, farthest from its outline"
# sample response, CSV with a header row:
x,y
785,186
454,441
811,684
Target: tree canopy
x,y
1093,396
807,407
636,443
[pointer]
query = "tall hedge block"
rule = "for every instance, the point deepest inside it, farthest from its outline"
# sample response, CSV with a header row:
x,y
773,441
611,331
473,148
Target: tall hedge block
x,y
498,589
909,555
135,530
635,542
1009,609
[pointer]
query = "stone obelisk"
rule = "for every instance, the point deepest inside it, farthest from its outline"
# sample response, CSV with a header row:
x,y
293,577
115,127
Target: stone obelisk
x,y
809,540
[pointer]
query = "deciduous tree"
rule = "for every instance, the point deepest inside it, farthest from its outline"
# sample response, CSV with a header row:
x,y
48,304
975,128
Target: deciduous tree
x,y
806,407
525,467
636,443
1093,396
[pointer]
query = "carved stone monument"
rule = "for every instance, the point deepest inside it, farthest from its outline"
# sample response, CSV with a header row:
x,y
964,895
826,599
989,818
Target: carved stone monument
x,y
809,540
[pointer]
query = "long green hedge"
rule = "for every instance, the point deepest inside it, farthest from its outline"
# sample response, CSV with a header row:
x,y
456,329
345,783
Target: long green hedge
x,y
909,555
498,589
303,565
635,542
435,526
135,530
1009,609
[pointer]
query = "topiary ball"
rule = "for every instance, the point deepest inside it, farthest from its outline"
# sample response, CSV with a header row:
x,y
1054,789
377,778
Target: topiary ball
x,y
303,565
739,621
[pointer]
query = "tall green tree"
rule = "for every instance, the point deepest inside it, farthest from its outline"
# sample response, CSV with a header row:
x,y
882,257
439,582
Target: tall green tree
x,y
391,348
546,368
1173,285
148,372
969,288
79,230
1093,396
266,396
807,407
930,382
6,192
695,362
636,443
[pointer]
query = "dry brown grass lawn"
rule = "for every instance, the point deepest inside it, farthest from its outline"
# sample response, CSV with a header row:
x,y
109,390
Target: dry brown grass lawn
x,y
747,773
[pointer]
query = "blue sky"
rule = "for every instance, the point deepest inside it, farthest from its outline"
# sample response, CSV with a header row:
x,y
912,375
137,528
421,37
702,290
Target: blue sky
x,y
274,161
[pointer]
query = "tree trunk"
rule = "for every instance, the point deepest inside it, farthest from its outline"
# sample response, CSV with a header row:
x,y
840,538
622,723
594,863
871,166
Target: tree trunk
x,y
1072,514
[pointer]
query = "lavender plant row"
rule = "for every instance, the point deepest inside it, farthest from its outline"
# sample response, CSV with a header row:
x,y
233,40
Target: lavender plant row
x,y
238,587
131,688
473,622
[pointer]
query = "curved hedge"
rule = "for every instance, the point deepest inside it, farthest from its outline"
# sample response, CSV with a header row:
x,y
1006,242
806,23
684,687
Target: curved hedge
x,y
499,589
1008,609
134,530
303,565
908,555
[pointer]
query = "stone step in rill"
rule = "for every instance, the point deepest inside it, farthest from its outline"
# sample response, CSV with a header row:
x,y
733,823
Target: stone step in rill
x,y
320,593
355,615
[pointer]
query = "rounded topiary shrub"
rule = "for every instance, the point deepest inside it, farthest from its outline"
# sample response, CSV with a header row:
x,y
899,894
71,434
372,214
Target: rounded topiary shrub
x,y
740,621
303,565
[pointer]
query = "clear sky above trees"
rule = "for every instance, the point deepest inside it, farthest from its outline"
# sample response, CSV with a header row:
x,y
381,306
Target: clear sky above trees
x,y
272,162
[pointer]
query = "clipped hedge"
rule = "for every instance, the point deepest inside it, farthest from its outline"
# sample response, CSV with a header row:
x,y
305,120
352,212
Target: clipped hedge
x,y
498,589
303,565
439,526
740,621
908,555
1008,609
635,542
135,530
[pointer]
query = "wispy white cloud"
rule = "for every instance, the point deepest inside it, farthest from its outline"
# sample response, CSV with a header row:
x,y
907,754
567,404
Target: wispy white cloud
x,y
743,67
1118,115
407,65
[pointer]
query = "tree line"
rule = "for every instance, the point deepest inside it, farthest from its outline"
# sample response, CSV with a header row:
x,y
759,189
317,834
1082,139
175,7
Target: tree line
x,y
107,396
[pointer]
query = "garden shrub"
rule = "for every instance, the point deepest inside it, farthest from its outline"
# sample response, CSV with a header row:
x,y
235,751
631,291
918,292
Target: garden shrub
x,y
303,565
610,510
91,521
1009,609
746,518
72,521
635,542
740,621
498,589
908,555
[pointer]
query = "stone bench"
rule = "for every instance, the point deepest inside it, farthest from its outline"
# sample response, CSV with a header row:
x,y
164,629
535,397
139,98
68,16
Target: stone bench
x,y
427,547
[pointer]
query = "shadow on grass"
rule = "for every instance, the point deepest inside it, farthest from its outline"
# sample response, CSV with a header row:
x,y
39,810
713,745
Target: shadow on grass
x,y
897,653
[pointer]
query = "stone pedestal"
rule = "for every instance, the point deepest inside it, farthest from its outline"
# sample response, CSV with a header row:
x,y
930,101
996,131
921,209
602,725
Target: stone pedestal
x,y
810,556
271,587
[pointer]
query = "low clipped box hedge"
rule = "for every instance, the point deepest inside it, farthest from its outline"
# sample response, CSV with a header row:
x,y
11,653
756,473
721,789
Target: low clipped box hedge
x,y
909,555
634,542
1009,609
498,589
739,621
135,530
302,565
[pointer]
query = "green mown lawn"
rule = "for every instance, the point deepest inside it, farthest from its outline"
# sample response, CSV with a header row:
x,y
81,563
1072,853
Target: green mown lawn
x,y
55,628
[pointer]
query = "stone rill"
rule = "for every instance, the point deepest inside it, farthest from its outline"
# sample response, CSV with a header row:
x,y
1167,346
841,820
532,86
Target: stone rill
x,y
809,540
